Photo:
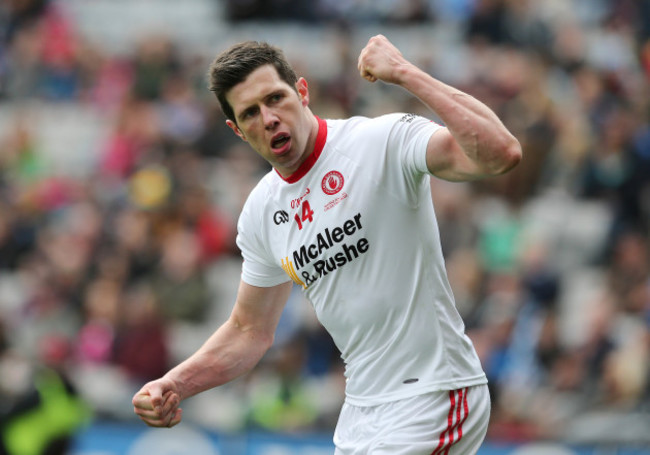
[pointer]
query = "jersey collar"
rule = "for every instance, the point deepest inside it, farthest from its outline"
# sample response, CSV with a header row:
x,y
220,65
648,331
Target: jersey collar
x,y
321,138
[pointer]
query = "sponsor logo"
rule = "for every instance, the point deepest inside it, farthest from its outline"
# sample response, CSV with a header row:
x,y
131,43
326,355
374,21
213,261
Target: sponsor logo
x,y
335,201
280,217
332,182
296,202
290,270
408,118
307,264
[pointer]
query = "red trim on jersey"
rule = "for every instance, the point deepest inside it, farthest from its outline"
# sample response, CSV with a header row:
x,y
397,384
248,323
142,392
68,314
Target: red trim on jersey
x,y
456,407
306,165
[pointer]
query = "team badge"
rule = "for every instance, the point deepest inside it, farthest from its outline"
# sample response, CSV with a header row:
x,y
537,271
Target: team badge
x,y
332,182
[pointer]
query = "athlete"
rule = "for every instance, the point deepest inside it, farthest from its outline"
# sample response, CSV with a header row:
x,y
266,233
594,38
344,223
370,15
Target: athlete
x,y
346,214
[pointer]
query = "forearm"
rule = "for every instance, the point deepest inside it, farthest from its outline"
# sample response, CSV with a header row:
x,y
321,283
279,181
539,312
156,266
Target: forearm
x,y
475,127
229,353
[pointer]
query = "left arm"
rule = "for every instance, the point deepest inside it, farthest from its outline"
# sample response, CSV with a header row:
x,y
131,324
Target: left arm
x,y
474,144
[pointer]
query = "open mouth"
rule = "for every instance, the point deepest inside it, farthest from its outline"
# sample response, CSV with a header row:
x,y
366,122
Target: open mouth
x,y
280,141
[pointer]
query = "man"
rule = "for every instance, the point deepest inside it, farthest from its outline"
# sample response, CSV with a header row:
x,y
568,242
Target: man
x,y
346,214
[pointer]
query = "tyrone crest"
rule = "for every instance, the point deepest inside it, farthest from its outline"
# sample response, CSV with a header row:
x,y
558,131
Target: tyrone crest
x,y
332,182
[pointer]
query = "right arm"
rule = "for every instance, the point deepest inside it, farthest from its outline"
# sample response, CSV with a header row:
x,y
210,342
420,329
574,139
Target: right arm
x,y
233,350
474,142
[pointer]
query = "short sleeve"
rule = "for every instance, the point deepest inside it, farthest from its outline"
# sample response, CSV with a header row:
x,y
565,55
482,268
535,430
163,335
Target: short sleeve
x,y
258,268
410,138
405,171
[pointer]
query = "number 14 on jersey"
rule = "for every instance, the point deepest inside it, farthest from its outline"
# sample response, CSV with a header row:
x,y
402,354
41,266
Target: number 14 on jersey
x,y
307,215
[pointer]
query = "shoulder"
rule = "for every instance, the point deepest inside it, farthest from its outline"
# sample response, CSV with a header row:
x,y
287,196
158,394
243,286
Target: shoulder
x,y
381,125
360,123
356,132
260,195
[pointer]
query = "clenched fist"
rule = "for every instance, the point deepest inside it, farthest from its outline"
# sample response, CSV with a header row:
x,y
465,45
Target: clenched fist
x,y
381,60
157,404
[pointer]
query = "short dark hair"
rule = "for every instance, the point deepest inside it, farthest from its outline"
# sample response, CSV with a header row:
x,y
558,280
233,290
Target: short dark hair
x,y
234,65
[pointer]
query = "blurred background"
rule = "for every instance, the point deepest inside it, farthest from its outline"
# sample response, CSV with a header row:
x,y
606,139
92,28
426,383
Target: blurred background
x,y
120,187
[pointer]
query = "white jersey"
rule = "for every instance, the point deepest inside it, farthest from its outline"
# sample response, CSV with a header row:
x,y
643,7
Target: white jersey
x,y
355,227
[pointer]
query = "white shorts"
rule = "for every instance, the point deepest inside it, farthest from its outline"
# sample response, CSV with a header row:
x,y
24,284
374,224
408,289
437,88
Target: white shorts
x,y
438,423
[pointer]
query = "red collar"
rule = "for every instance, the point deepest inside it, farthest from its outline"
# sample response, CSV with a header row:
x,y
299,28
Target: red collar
x,y
321,138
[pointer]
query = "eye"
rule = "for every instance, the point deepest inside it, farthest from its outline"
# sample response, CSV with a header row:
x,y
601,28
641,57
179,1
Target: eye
x,y
276,97
248,114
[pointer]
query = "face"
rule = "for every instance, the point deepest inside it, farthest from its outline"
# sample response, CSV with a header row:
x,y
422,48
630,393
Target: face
x,y
273,118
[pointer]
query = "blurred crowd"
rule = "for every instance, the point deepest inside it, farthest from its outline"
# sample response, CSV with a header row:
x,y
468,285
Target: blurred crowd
x,y
111,276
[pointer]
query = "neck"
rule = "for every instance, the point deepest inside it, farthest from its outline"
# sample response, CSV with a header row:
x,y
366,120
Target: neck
x,y
311,140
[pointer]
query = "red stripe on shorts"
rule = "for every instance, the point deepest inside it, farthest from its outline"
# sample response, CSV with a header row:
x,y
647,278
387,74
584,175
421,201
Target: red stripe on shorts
x,y
460,408
450,418
466,408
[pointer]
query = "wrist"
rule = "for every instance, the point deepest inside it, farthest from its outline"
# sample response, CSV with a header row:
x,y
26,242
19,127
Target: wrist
x,y
403,73
412,78
175,384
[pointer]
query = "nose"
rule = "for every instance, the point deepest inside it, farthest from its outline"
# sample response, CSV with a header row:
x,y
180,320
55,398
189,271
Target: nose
x,y
269,118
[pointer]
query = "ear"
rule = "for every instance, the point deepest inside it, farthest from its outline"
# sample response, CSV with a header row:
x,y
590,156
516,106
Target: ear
x,y
233,126
303,91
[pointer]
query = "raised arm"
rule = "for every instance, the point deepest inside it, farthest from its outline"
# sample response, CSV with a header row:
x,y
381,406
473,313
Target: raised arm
x,y
231,351
474,142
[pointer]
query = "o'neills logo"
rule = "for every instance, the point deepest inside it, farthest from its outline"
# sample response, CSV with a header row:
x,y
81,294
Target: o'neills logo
x,y
308,255
332,182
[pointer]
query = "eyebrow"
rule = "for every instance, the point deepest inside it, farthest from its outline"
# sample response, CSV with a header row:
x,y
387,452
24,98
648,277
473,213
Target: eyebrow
x,y
266,98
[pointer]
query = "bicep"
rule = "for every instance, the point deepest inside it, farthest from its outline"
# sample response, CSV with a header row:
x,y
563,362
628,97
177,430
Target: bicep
x,y
259,309
447,160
